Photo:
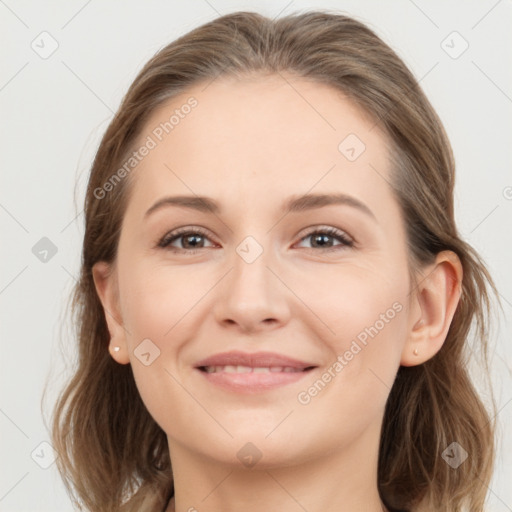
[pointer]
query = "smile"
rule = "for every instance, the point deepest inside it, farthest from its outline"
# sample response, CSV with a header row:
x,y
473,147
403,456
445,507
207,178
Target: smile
x,y
243,372
249,369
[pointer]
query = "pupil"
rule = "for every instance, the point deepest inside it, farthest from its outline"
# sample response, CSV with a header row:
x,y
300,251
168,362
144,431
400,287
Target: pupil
x,y
192,240
320,237
192,237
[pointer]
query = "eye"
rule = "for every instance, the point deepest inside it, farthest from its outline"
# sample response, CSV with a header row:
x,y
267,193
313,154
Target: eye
x,y
320,239
192,239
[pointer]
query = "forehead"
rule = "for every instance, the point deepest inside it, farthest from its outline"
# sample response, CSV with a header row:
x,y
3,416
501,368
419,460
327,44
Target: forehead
x,y
259,138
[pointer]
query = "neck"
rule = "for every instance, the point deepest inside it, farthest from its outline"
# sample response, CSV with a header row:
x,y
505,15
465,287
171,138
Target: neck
x,y
341,480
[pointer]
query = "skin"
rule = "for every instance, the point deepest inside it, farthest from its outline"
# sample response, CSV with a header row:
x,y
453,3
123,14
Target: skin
x,y
250,144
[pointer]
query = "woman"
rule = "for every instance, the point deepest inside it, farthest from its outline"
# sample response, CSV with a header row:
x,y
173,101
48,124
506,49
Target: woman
x,y
274,298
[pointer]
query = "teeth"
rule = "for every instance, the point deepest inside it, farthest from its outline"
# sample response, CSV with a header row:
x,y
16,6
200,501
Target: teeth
x,y
249,369
261,370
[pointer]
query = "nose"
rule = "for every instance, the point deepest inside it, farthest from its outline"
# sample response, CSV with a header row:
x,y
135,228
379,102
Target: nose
x,y
252,297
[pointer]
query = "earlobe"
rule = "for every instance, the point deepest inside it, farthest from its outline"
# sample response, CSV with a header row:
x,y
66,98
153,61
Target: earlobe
x,y
118,353
105,283
436,301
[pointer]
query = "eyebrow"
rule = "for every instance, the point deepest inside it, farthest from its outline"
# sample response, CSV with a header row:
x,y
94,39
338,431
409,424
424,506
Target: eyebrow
x,y
293,204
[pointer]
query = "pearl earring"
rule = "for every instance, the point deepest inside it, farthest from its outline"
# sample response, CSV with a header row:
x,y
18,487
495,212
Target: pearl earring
x,y
415,352
115,348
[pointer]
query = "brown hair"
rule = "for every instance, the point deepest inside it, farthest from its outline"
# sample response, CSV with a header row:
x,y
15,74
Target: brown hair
x,y
113,455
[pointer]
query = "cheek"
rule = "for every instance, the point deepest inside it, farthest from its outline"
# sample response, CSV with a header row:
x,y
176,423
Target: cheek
x,y
357,309
356,300
364,310
158,308
368,316
155,307
354,312
156,299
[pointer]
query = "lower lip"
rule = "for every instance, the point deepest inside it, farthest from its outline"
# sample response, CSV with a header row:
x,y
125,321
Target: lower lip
x,y
253,382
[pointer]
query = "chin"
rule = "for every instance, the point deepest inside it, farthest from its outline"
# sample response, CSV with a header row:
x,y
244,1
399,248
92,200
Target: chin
x,y
252,450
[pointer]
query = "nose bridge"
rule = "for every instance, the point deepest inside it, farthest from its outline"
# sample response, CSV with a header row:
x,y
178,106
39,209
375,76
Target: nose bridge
x,y
252,294
250,280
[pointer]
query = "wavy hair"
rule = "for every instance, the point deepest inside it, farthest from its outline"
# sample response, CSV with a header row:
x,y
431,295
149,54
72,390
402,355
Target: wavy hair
x,y
113,455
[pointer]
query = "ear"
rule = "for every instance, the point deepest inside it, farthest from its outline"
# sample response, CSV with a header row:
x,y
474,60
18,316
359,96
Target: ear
x,y
105,281
433,306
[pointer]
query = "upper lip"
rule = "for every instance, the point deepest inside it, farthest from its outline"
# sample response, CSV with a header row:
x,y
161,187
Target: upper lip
x,y
253,360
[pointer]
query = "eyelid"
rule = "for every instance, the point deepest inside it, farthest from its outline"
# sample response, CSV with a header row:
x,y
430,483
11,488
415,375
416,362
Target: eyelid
x,y
346,239
324,228
175,234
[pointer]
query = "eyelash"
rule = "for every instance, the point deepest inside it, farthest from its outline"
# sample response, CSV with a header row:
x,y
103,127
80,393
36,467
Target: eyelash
x,y
165,242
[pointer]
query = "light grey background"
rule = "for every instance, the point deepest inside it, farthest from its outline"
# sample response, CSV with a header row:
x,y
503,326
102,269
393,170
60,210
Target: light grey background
x,y
55,109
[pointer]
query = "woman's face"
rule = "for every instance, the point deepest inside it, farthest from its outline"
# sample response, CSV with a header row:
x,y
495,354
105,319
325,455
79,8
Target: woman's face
x,y
303,256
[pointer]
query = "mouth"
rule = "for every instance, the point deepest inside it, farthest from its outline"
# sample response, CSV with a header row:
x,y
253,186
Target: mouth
x,y
250,369
252,373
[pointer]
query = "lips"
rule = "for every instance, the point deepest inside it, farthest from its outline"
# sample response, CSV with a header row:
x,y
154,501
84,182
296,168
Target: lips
x,y
252,373
249,369
257,360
